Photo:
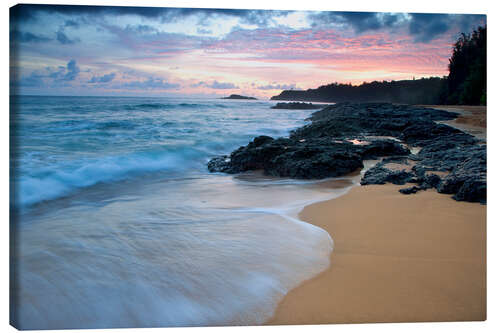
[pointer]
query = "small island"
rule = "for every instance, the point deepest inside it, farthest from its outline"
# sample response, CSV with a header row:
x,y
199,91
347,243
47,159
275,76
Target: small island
x,y
234,96
298,106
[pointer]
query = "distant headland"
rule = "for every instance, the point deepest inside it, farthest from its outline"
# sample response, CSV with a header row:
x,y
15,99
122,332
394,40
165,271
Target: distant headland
x,y
234,96
421,91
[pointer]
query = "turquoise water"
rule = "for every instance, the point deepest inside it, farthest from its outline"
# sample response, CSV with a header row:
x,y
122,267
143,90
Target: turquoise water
x,y
116,221
67,143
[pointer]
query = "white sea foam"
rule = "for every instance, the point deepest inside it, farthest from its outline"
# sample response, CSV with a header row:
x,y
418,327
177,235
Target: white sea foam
x,y
184,247
165,260
58,180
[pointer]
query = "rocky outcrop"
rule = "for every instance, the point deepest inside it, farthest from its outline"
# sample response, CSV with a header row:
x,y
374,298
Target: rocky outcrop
x,y
381,175
234,96
298,106
304,159
467,180
339,137
462,169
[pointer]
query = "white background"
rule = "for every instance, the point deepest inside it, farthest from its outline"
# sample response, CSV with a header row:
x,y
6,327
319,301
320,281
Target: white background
x,y
426,6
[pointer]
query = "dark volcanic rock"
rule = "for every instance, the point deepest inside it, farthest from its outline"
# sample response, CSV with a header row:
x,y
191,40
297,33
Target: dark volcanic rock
x,y
381,175
339,137
379,119
410,190
219,164
445,156
427,132
381,148
473,190
298,106
310,159
314,163
431,181
468,177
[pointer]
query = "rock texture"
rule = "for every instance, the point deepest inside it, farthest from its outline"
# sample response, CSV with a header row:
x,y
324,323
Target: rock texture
x,y
298,106
339,137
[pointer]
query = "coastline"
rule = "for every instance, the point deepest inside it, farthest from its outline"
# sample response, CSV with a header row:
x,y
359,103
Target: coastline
x,y
425,260
398,259
471,119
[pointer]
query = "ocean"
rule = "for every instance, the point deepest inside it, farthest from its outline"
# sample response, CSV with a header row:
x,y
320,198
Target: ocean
x,y
116,221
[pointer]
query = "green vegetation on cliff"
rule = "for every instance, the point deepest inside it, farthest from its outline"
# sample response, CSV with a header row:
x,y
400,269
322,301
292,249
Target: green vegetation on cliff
x,y
422,91
467,78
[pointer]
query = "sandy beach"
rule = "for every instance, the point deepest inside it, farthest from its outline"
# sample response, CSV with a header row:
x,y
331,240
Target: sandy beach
x,y
471,119
397,258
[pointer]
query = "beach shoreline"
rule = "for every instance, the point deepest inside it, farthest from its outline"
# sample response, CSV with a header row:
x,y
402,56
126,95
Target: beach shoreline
x,y
396,257
400,258
471,119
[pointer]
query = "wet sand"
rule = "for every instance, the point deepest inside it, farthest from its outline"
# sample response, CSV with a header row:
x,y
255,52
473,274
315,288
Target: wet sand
x,y
397,258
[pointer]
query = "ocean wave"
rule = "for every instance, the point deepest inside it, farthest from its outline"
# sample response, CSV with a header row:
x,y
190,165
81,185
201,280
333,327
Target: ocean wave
x,y
69,126
85,125
116,125
143,107
61,179
155,106
189,105
151,105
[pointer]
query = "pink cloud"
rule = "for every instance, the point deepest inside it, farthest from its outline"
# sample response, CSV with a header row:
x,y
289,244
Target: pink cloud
x,y
372,52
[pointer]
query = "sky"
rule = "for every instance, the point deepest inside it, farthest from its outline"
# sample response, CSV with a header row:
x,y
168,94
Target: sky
x,y
148,51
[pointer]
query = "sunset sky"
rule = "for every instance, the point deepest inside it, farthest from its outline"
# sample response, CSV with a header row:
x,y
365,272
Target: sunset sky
x,y
125,51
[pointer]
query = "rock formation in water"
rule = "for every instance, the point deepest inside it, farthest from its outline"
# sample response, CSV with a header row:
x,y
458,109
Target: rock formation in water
x,y
341,136
234,96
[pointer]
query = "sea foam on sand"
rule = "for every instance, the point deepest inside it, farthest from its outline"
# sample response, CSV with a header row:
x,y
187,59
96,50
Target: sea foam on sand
x,y
156,255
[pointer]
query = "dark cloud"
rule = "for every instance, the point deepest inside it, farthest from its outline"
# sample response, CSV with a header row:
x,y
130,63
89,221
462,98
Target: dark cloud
x,y
140,29
25,12
35,79
72,71
102,79
470,22
71,23
61,73
215,85
151,83
426,27
359,21
423,27
222,85
148,42
262,17
362,21
56,74
49,75
62,38
30,12
277,87
17,36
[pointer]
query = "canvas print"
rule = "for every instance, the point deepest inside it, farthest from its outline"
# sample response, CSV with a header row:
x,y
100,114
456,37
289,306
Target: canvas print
x,y
221,167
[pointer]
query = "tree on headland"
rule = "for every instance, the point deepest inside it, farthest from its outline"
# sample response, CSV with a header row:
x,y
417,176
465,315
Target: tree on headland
x,y
415,91
467,77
